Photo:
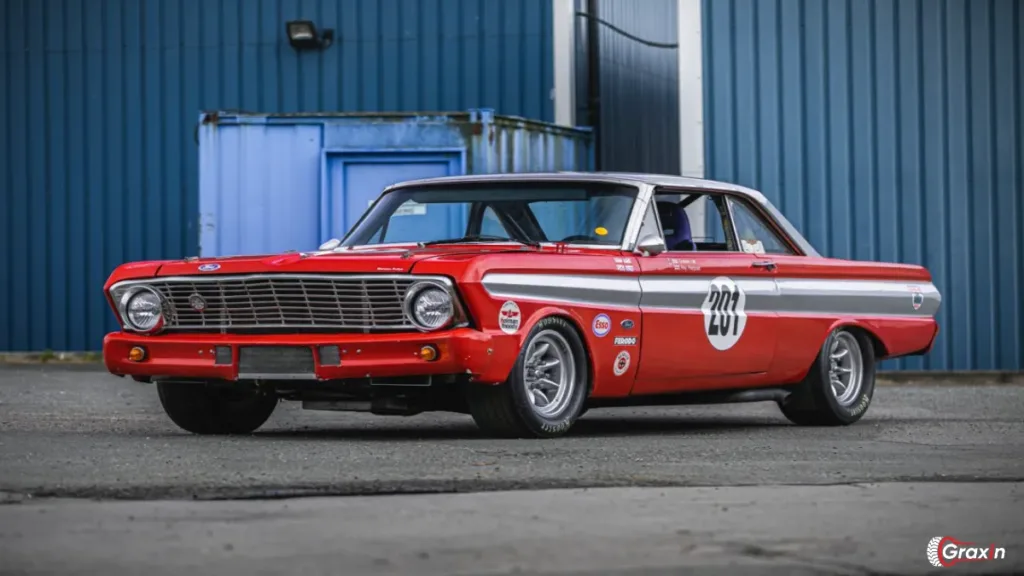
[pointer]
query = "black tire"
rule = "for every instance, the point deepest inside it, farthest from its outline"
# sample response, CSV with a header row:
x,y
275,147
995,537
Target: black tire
x,y
506,410
202,409
813,403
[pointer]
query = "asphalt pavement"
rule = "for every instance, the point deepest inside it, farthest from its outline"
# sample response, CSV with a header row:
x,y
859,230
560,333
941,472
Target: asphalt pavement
x,y
630,491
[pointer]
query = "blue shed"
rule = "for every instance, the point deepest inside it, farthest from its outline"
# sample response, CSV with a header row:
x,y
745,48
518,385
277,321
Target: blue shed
x,y
275,182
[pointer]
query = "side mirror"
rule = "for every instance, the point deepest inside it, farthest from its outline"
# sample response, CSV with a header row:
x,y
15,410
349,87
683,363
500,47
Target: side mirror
x,y
330,244
650,245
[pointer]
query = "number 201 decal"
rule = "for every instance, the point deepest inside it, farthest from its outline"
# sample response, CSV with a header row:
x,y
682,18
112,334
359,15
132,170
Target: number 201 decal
x,y
724,312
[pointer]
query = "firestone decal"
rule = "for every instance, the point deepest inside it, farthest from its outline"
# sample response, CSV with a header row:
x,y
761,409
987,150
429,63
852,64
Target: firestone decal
x,y
209,267
509,317
724,312
602,325
625,340
621,363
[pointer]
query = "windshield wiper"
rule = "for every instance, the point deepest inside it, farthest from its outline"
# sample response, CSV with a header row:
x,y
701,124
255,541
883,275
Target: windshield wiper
x,y
479,238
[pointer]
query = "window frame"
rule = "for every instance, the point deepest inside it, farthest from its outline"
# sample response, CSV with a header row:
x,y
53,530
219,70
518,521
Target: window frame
x,y
650,210
732,236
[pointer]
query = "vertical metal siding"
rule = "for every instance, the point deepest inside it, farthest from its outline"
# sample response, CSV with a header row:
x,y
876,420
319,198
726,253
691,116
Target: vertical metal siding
x,y
98,163
887,130
639,85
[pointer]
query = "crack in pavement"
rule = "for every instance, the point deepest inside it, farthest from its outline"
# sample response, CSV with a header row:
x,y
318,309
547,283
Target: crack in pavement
x,y
413,487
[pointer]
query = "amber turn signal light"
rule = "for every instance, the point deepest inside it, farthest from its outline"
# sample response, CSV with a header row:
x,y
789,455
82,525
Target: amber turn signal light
x,y
428,353
137,354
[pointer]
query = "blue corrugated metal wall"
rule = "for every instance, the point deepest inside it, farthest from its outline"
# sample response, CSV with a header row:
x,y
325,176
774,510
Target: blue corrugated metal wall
x,y
888,130
639,84
98,161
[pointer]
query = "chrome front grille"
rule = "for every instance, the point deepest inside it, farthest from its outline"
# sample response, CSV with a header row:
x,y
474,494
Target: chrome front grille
x,y
270,302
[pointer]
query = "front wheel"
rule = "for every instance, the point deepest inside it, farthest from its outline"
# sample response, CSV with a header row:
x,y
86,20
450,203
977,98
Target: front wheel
x,y
839,387
545,392
203,409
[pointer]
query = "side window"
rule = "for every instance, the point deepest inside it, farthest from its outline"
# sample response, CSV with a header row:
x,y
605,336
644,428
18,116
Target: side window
x,y
755,236
698,222
490,225
714,222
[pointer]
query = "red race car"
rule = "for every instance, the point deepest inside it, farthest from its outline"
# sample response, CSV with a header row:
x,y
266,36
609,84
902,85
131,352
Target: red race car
x,y
524,300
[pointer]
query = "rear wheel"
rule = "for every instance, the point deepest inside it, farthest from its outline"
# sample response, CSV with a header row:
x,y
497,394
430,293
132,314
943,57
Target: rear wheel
x,y
545,392
839,387
203,409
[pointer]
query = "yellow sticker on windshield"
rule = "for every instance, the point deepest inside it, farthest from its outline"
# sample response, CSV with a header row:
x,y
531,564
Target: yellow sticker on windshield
x,y
601,231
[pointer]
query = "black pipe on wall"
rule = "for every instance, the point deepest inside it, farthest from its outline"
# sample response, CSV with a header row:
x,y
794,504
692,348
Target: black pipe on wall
x,y
594,79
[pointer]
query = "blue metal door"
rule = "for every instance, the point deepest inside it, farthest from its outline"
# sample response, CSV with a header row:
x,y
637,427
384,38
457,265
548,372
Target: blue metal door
x,y
355,179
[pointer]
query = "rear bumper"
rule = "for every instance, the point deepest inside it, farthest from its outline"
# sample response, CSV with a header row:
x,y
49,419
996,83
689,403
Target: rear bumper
x,y
460,351
931,342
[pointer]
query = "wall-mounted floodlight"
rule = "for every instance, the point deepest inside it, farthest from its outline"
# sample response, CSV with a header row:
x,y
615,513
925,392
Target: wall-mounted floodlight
x,y
302,35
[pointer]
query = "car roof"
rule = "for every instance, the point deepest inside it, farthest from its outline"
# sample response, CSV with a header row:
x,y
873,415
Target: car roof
x,y
667,180
631,179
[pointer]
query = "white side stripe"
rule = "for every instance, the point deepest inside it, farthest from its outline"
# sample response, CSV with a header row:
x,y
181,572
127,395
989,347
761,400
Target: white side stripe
x,y
796,295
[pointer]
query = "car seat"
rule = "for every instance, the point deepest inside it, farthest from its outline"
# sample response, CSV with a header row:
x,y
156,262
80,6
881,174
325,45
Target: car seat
x,y
676,225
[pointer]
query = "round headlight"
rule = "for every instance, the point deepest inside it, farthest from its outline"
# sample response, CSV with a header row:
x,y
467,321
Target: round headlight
x,y
432,308
143,310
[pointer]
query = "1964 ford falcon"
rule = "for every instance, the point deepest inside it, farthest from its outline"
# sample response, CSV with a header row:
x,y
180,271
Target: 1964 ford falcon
x,y
524,300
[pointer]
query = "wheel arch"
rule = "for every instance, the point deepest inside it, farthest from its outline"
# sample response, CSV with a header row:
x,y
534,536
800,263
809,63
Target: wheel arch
x,y
576,324
877,344
588,356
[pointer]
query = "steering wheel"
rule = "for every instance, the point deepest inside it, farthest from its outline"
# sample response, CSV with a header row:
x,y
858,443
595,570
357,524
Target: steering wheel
x,y
576,237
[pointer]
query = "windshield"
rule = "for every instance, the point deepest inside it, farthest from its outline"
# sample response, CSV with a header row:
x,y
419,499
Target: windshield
x,y
578,213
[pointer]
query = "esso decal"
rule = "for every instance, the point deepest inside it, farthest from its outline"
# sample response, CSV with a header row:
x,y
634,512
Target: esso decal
x,y
602,325
724,312
621,363
509,317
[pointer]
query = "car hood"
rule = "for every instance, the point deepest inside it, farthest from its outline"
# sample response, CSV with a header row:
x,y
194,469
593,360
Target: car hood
x,y
376,261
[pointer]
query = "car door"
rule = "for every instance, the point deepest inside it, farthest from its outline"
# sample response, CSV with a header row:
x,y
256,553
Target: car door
x,y
708,316
800,330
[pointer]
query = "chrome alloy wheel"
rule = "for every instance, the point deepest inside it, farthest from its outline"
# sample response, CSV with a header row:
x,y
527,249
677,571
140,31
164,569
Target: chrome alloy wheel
x,y
549,373
845,372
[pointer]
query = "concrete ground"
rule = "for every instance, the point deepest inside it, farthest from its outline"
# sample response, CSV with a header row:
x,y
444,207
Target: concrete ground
x,y
697,489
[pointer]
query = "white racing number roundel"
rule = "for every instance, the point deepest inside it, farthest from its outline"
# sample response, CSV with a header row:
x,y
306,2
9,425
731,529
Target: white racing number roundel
x,y
724,313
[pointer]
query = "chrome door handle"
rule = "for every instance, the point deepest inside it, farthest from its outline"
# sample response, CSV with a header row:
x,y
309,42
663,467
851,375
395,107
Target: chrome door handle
x,y
766,264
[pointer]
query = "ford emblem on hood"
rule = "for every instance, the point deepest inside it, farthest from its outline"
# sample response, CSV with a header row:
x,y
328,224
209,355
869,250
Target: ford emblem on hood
x,y
209,267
